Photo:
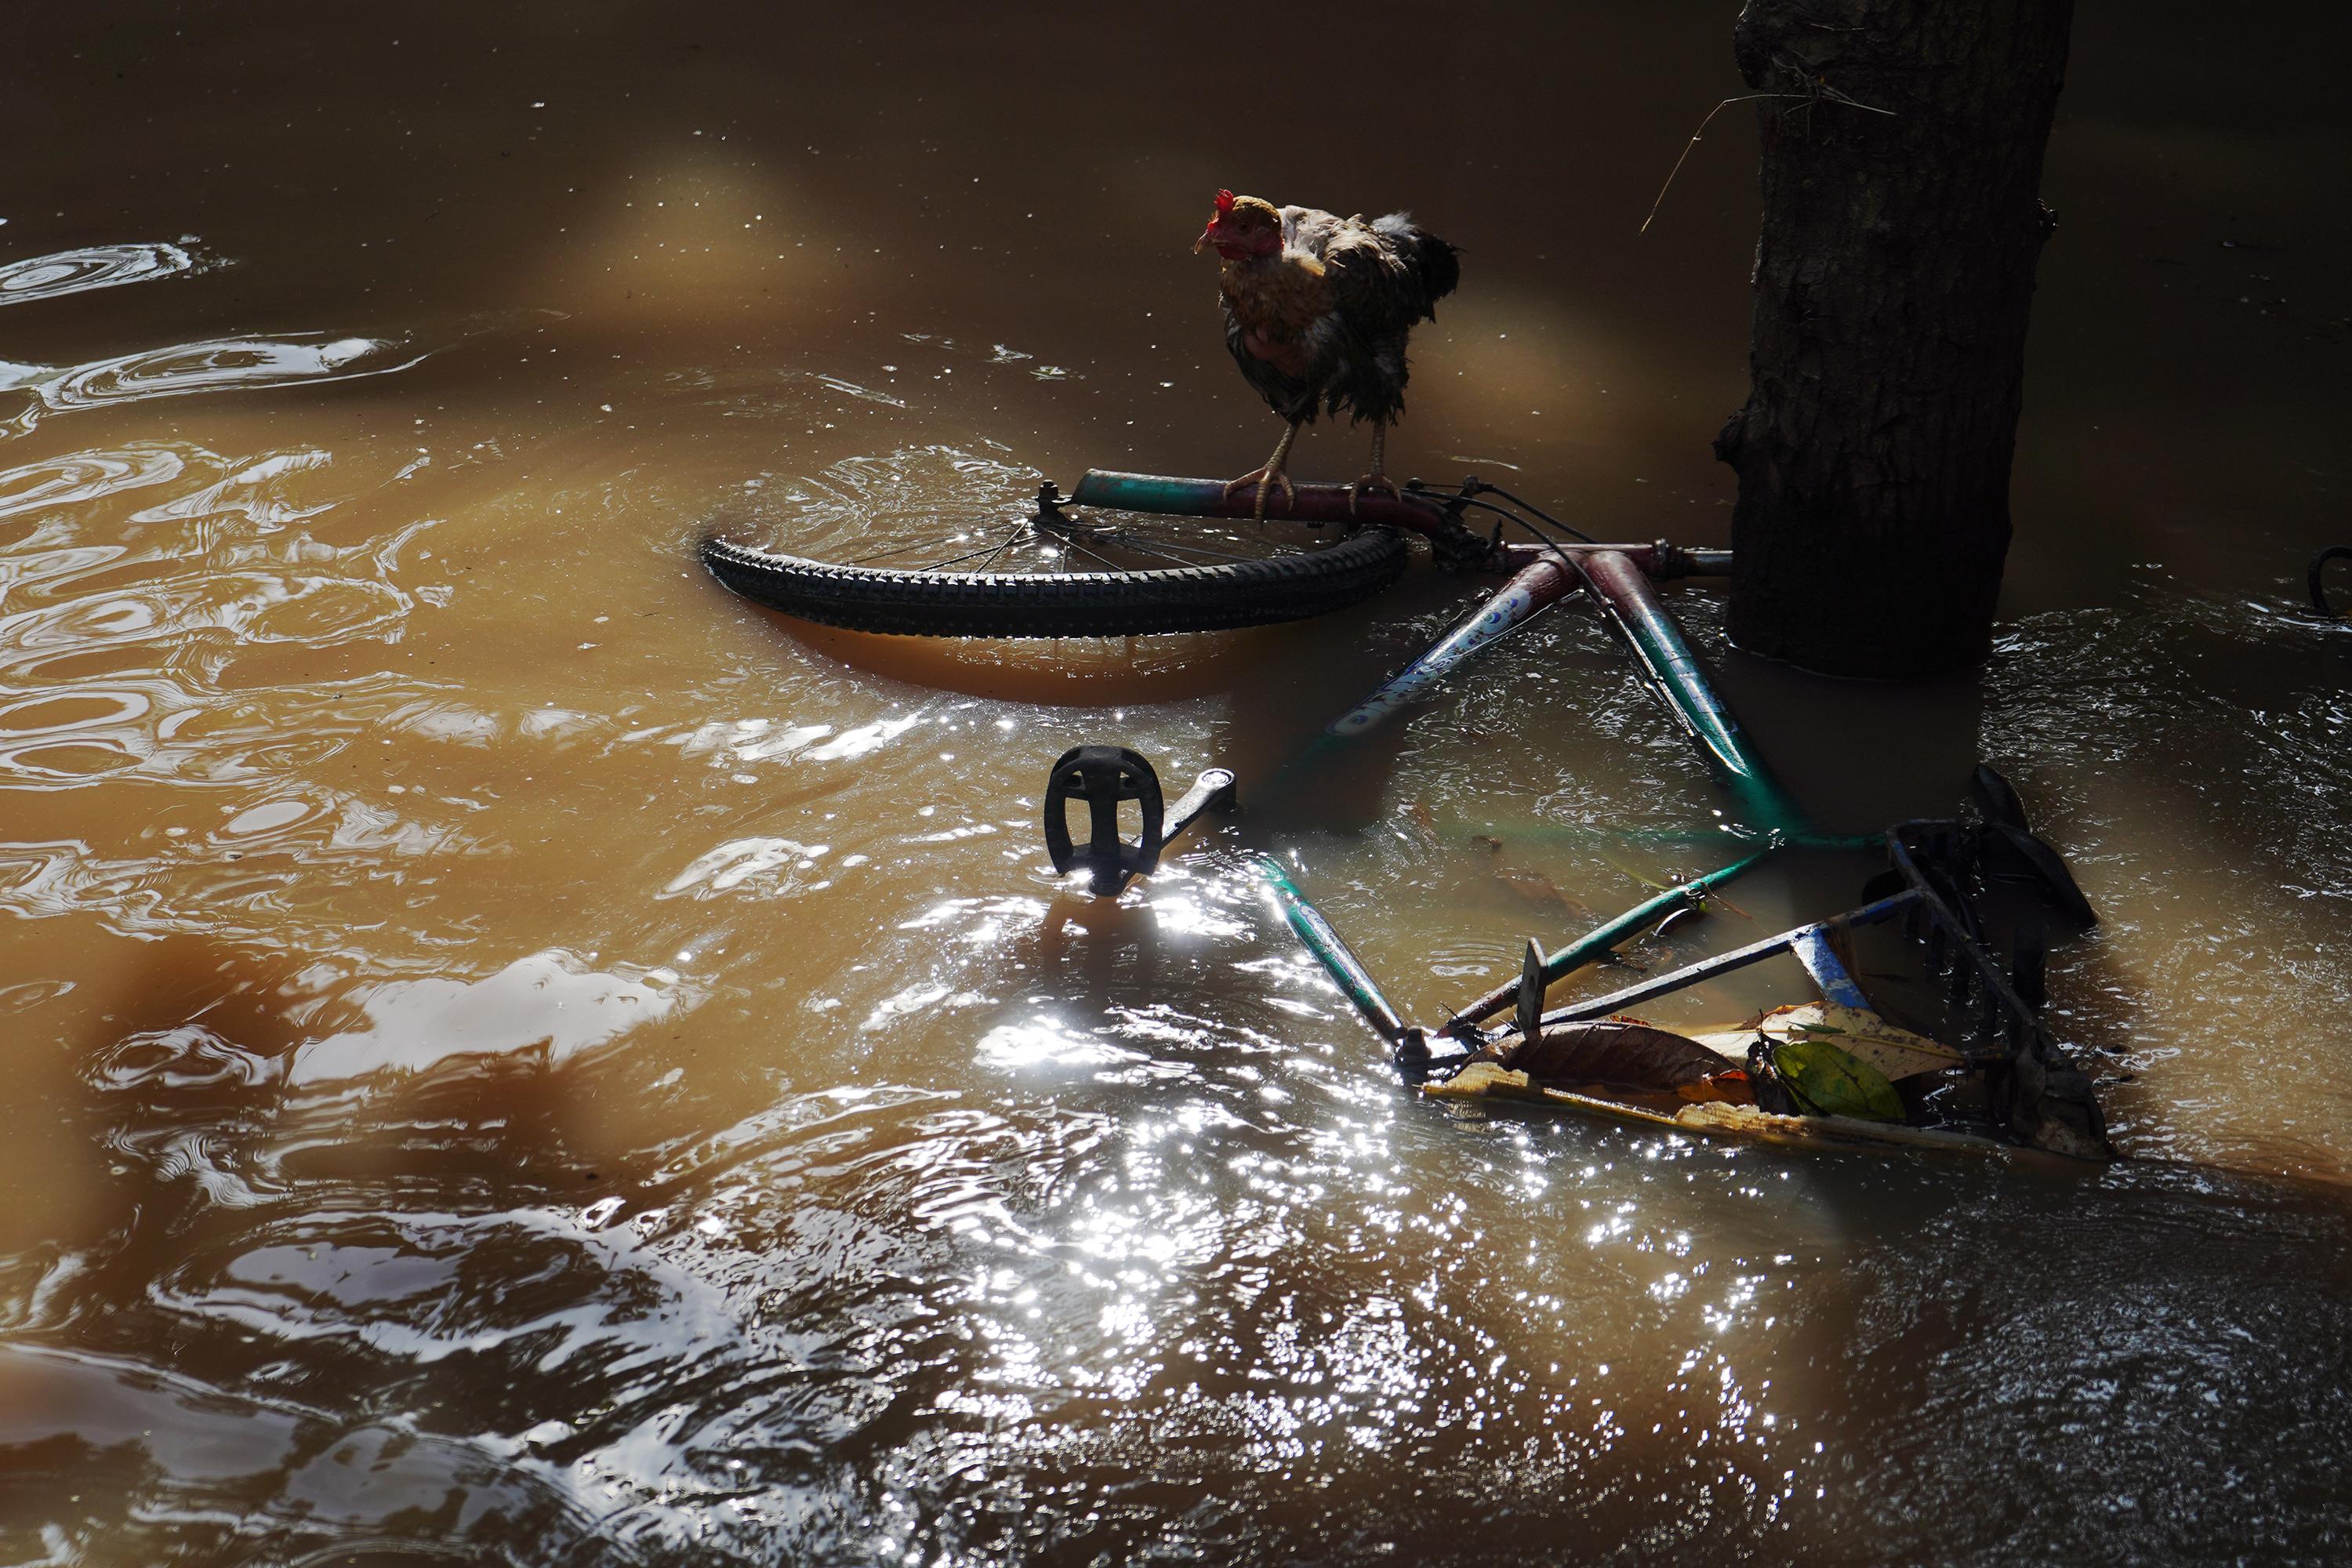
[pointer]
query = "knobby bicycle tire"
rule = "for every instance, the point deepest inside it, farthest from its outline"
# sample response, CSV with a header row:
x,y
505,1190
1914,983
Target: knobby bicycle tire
x,y
1064,603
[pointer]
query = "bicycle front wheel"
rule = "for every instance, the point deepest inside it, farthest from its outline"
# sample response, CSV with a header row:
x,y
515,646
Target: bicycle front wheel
x,y
1046,575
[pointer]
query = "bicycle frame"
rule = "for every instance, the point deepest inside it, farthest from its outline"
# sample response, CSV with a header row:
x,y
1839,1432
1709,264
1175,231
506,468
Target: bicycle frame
x,y
2024,1070
1618,578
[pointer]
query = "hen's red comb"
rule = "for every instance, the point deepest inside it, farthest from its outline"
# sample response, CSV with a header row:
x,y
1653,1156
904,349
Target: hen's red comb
x,y
1224,201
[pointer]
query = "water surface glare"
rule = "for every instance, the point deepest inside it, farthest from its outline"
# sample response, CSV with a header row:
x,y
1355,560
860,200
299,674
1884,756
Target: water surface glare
x,y
96,267
517,1056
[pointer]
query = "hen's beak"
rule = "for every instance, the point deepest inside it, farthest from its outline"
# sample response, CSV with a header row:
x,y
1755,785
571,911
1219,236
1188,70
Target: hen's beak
x,y
1208,238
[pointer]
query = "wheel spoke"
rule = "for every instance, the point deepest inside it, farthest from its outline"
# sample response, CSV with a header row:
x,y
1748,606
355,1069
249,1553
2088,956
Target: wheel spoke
x,y
1079,544
1167,544
1135,547
895,550
991,552
1010,540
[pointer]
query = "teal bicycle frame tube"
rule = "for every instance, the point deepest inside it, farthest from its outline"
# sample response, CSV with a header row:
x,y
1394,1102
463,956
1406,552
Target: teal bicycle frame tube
x,y
1632,607
1596,944
1332,952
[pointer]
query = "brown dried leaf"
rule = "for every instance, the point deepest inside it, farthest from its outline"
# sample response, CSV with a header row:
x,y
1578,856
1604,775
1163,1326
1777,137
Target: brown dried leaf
x,y
1614,1051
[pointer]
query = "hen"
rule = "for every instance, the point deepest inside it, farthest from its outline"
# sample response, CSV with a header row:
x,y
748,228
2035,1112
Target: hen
x,y
1318,308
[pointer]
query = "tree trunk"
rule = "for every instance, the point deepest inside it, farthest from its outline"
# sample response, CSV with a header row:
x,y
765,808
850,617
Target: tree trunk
x,y
1892,280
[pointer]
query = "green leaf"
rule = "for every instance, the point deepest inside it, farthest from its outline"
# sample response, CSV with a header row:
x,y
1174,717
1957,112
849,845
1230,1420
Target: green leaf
x,y
1828,1081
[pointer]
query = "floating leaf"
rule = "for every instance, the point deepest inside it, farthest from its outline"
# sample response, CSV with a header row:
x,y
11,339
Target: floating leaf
x,y
1827,1081
1614,1050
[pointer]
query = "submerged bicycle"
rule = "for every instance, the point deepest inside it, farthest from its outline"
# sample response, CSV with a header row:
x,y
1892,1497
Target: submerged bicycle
x,y
1178,555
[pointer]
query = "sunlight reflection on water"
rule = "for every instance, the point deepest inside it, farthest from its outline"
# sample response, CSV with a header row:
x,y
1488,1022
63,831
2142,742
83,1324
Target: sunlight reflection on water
x,y
98,267
517,1057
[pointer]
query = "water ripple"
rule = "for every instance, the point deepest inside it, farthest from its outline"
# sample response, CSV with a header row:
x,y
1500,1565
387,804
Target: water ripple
x,y
862,496
98,267
221,364
115,632
314,1484
61,483
549,1003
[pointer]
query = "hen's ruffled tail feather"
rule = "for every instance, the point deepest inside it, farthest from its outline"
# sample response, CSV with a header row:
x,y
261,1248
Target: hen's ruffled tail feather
x,y
1436,262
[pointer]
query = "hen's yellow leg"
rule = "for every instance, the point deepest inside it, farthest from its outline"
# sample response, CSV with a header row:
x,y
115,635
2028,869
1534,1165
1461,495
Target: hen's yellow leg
x,y
1271,475
1377,479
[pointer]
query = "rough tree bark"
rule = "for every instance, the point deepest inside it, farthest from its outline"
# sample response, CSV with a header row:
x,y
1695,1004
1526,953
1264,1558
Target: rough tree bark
x,y
1892,280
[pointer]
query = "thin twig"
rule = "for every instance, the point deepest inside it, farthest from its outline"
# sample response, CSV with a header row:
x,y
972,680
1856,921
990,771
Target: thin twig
x,y
1825,90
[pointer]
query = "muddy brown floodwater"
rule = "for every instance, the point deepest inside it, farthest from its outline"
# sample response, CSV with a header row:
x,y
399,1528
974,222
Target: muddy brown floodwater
x,y
513,1054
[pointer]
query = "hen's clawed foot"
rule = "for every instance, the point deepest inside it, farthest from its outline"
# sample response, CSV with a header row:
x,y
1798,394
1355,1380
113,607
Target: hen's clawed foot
x,y
1375,480
1265,480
